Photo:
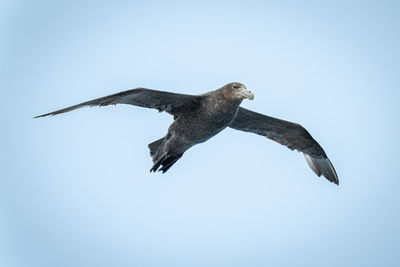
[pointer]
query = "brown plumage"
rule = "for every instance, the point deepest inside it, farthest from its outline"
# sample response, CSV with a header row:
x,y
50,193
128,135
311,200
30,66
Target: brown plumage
x,y
197,118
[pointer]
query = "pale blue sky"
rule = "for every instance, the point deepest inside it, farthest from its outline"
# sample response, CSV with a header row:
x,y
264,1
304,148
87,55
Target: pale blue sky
x,y
76,188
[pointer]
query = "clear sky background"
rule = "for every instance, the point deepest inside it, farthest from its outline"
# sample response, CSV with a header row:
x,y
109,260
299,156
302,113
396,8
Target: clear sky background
x,y
76,188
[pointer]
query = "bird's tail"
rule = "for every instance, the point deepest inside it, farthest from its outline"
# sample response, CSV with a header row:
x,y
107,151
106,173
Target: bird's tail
x,y
154,146
165,161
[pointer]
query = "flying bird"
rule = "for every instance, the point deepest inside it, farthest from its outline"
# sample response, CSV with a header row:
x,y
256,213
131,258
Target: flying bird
x,y
197,118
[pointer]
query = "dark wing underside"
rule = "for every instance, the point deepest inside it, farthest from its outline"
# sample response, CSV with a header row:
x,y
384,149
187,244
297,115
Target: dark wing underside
x,y
292,135
162,101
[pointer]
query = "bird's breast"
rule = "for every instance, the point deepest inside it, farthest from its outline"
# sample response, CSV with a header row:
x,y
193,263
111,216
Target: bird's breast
x,y
202,124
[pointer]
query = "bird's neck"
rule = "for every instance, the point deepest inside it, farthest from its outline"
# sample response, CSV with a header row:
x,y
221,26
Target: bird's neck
x,y
227,103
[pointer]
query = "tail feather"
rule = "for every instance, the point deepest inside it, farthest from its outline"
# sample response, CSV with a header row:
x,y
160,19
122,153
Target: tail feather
x,y
165,161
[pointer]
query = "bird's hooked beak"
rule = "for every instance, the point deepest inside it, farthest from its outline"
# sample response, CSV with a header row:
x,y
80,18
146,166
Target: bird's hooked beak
x,y
243,92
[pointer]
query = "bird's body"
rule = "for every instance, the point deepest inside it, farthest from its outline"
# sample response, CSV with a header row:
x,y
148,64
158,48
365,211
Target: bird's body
x,y
201,124
197,118
194,127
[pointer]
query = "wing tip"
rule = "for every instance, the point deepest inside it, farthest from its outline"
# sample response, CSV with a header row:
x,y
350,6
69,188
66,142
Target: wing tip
x,y
51,114
40,116
324,167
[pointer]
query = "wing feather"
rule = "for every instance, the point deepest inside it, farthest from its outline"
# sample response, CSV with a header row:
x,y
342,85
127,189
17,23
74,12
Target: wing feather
x,y
162,101
289,134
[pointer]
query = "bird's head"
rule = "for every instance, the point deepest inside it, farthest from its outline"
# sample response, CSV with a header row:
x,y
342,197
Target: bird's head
x,y
237,91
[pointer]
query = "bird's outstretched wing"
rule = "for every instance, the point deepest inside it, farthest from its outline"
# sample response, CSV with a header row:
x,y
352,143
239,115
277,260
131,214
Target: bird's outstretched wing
x,y
290,134
162,101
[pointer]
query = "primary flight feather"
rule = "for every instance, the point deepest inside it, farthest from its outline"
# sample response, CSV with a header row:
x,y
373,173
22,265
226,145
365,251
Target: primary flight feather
x,y
197,118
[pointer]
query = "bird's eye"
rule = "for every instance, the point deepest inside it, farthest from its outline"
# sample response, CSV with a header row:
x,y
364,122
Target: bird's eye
x,y
236,87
